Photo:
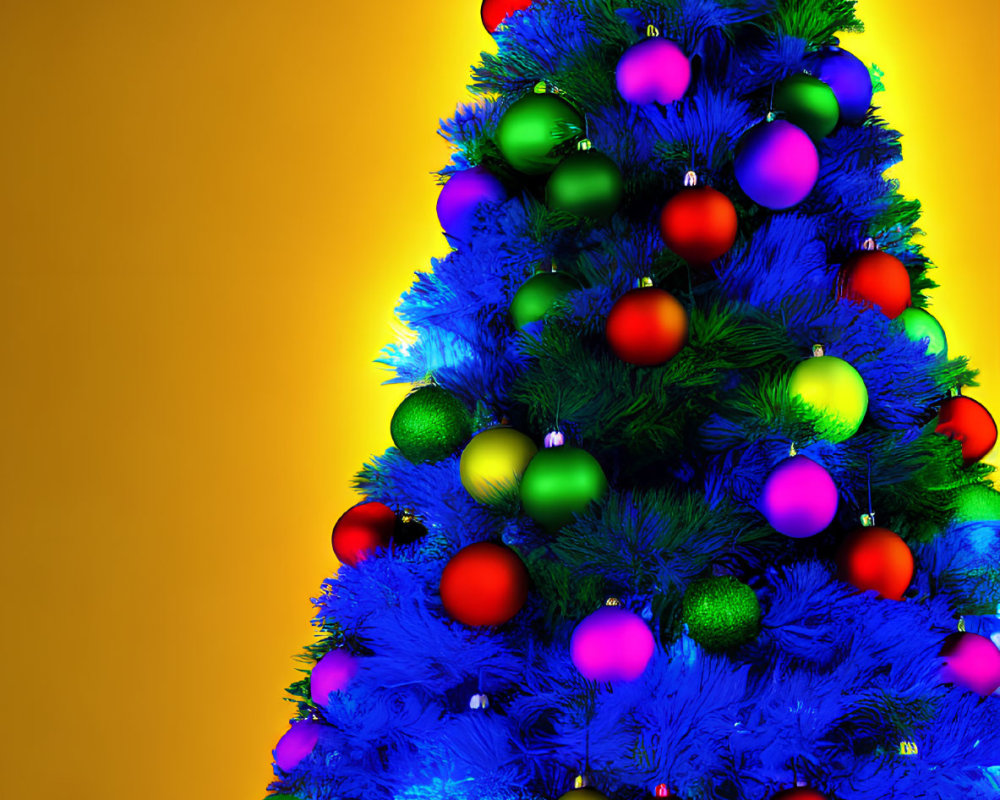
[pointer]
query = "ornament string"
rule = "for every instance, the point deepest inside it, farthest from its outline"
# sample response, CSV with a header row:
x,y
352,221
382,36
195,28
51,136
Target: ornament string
x,y
871,511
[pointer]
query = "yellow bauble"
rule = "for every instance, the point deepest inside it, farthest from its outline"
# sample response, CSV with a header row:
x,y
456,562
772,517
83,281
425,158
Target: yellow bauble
x,y
831,394
493,462
583,794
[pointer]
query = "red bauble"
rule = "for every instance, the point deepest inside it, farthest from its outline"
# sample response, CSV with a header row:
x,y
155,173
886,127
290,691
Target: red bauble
x,y
484,584
647,326
362,530
799,793
967,421
876,558
878,279
699,224
494,12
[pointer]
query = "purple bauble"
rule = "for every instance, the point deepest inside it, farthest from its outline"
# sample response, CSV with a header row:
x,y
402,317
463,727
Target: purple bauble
x,y
972,661
298,742
799,497
461,196
776,164
332,673
612,644
850,80
654,70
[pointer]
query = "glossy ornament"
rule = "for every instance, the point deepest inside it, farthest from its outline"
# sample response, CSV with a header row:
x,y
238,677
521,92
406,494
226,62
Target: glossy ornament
x,y
875,278
361,531
809,103
484,584
698,223
721,612
559,482
583,793
612,644
920,325
462,195
430,424
799,793
493,462
971,661
849,79
776,164
647,327
830,394
534,132
296,743
967,421
874,558
799,497
654,70
494,12
537,295
332,673
586,183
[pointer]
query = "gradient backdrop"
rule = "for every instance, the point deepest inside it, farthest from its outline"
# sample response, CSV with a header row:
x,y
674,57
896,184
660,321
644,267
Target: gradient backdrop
x,y
207,212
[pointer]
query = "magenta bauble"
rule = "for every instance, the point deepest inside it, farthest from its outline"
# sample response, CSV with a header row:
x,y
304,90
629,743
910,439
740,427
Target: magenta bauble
x,y
654,70
776,164
612,644
332,673
799,497
298,742
462,196
972,661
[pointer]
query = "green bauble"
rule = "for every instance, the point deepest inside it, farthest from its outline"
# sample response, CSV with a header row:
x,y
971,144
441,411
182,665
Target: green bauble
x,y
559,482
720,612
831,394
493,462
809,103
537,295
532,132
586,183
918,324
430,424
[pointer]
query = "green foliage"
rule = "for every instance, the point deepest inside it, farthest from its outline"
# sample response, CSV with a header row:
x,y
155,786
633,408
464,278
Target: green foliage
x,y
567,594
815,21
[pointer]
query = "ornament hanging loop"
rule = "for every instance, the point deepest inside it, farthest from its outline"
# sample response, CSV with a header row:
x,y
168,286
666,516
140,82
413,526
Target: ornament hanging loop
x,y
645,283
652,30
584,144
818,350
869,244
690,178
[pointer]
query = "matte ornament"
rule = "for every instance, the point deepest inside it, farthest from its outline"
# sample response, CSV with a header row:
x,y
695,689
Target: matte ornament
x,y
699,224
296,743
461,197
776,164
873,558
361,531
971,661
920,325
585,793
537,295
876,278
534,132
430,424
586,183
799,497
332,673
799,793
484,584
560,482
493,462
809,103
647,327
967,421
494,12
612,644
849,79
654,70
831,394
721,612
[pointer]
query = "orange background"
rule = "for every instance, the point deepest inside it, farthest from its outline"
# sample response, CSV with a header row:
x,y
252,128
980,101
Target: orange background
x,y
208,212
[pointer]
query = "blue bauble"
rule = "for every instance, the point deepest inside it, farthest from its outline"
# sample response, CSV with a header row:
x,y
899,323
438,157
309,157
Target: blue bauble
x,y
776,164
462,195
850,80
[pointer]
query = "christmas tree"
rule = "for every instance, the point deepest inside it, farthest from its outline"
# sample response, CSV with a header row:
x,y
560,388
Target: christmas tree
x,y
687,499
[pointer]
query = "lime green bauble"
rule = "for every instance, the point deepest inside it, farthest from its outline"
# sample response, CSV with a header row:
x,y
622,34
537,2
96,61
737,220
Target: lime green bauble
x,y
559,482
830,394
918,324
493,462
430,424
587,184
978,504
583,794
537,295
720,612
808,103
534,131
